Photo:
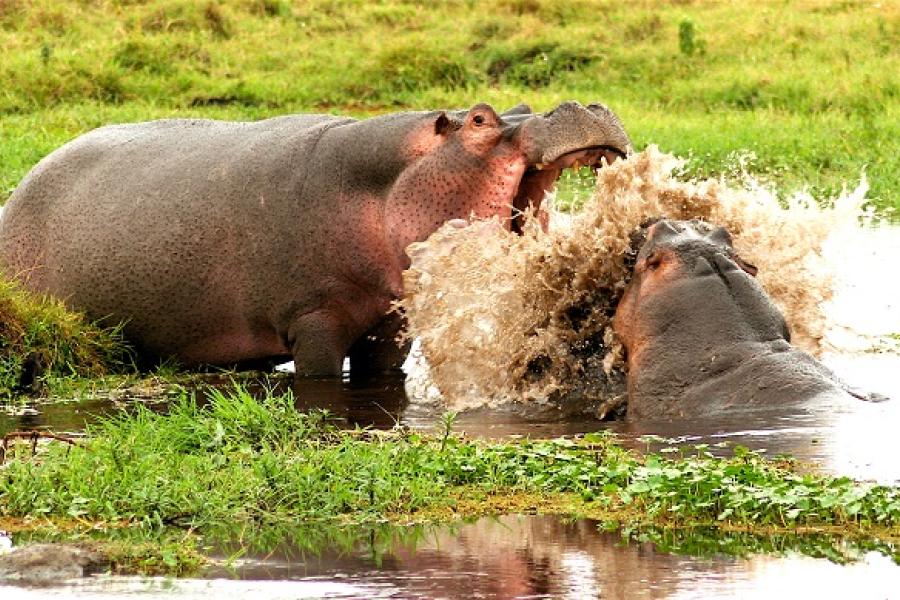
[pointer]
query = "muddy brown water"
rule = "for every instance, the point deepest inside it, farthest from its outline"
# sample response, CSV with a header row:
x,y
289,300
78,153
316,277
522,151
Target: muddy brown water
x,y
547,557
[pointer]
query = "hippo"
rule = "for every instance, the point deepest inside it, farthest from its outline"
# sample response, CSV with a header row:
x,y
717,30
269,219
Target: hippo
x,y
235,243
701,336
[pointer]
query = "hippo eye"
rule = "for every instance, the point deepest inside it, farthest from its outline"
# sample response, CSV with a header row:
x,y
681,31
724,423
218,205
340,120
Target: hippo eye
x,y
653,261
478,119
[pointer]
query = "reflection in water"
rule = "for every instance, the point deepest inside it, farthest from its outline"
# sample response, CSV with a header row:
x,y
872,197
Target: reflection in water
x,y
520,557
375,402
855,438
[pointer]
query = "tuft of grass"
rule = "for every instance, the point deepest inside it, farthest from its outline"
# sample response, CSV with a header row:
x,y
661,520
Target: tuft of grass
x,y
688,41
43,343
177,556
237,463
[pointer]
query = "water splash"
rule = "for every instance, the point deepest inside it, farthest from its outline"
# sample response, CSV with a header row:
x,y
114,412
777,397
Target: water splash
x,y
503,317
6,544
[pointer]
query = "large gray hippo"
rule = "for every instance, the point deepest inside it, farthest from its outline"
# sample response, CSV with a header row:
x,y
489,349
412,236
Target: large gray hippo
x,y
222,242
702,337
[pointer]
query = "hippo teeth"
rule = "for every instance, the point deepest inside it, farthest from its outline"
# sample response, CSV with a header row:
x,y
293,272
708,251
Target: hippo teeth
x,y
585,157
541,177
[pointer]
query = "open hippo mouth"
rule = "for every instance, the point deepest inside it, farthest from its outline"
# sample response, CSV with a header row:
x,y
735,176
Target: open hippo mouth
x,y
541,178
570,136
588,157
480,164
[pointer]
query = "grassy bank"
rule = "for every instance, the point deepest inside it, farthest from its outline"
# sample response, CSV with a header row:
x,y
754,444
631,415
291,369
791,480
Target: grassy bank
x,y
43,345
241,465
810,88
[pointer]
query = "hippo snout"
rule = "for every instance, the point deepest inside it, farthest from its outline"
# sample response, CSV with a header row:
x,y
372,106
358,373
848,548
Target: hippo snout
x,y
572,127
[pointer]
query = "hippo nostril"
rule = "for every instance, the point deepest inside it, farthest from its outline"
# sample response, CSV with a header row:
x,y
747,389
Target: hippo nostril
x,y
702,267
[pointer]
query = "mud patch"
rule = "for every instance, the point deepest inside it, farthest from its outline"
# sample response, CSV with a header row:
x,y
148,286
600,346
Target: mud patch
x,y
502,317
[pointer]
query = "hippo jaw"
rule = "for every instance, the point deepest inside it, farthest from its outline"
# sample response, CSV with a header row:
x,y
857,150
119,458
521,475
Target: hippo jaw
x,y
540,178
478,163
571,127
570,136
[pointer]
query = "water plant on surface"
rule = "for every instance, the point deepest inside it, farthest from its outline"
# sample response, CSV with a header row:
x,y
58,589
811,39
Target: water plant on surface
x,y
241,464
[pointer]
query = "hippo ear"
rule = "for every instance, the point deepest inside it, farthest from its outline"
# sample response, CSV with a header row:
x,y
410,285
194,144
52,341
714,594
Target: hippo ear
x,y
720,236
743,264
662,230
442,124
518,109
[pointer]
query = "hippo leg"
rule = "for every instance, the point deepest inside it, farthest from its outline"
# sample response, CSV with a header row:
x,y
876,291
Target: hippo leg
x,y
318,343
378,350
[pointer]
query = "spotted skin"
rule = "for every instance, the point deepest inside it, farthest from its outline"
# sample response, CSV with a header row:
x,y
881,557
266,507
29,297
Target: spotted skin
x,y
227,242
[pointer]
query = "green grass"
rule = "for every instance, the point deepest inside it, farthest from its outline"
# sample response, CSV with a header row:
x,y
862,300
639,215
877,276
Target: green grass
x,y
811,88
238,464
44,347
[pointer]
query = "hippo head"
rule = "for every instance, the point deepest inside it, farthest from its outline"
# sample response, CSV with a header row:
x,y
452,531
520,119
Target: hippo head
x,y
691,302
480,163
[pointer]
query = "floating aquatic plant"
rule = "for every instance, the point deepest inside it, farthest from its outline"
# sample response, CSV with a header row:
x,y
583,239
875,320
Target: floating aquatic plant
x,y
239,462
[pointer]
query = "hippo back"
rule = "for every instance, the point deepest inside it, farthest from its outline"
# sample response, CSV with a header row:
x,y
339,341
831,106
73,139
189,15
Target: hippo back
x,y
134,221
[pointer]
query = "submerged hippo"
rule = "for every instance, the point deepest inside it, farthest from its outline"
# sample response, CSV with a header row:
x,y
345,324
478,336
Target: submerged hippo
x,y
701,335
221,243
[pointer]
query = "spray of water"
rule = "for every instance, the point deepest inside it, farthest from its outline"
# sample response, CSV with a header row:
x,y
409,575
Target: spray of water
x,y
503,317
